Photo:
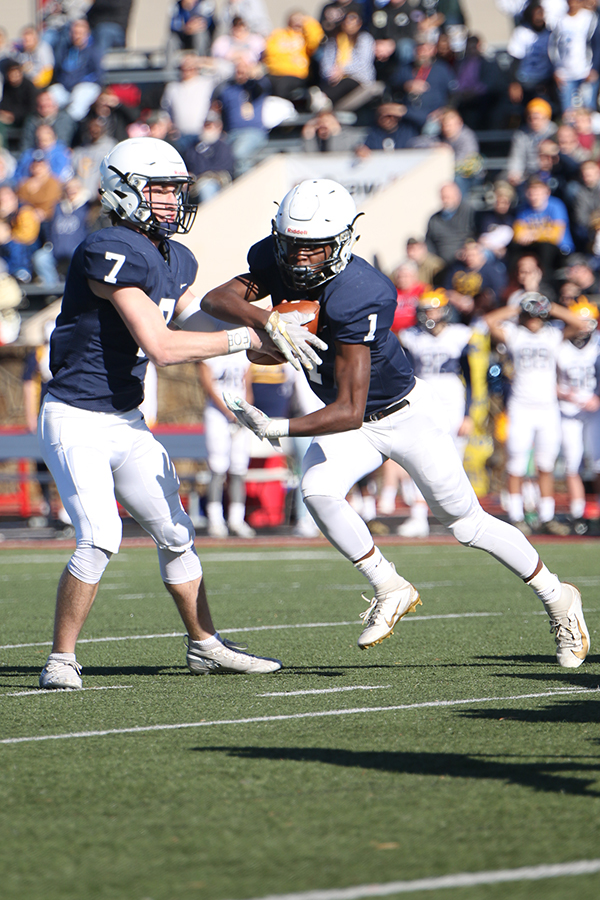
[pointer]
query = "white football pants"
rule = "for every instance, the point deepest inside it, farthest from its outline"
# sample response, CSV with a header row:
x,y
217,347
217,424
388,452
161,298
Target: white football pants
x,y
417,438
530,427
227,444
581,434
97,459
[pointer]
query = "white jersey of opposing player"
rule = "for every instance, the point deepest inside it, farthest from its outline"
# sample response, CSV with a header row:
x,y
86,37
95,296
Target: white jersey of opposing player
x,y
534,360
577,373
436,360
229,373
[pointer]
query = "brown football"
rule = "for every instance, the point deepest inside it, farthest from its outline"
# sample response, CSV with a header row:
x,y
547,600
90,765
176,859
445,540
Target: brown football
x,y
263,359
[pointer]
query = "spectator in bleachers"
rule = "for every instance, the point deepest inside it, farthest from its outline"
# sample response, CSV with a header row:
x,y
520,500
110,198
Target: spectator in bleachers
x,y
193,25
571,53
587,202
542,223
108,20
451,226
188,100
531,69
468,164
424,85
569,146
528,277
394,26
19,234
87,157
48,112
332,15
253,12
523,156
77,70
55,152
472,274
210,160
409,288
40,189
57,16
36,56
239,41
116,116
18,99
429,264
241,101
390,131
324,133
581,120
580,270
288,54
502,212
66,228
347,64
557,171
480,88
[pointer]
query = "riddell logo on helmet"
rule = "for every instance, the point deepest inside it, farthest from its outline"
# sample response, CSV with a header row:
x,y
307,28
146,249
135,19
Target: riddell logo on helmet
x,y
295,231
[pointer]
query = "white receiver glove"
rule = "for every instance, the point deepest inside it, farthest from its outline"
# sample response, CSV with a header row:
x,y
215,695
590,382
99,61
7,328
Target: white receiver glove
x,y
257,421
292,340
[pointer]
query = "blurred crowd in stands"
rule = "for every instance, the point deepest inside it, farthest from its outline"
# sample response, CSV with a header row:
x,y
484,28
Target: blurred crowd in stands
x,y
377,75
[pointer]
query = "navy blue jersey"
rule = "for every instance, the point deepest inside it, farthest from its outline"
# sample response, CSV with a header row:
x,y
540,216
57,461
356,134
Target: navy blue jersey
x,y
357,307
95,362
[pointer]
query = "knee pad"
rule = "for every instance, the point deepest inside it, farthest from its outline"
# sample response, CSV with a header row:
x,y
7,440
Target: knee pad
x,y
178,533
468,528
88,563
179,568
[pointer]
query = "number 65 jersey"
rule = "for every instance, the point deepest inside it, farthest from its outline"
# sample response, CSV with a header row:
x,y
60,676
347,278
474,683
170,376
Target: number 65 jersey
x,y
95,362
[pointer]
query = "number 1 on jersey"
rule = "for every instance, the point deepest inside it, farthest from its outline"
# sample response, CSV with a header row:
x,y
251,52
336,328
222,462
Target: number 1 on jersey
x,y
372,327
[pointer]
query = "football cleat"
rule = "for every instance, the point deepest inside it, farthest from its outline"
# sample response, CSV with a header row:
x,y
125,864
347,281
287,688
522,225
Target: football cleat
x,y
568,625
558,529
61,674
392,601
217,530
225,656
523,527
241,529
413,528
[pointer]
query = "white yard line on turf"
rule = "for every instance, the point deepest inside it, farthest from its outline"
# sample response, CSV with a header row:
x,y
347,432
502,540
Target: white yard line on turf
x,y
462,879
170,634
431,704
337,690
54,691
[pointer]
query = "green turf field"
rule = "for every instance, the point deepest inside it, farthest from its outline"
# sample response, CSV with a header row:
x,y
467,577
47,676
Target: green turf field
x,y
458,746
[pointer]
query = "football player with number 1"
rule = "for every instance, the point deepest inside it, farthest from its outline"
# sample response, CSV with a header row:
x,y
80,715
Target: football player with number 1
x,y
374,410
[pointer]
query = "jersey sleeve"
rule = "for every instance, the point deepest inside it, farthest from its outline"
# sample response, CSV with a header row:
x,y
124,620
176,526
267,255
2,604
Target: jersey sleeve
x,y
116,262
509,330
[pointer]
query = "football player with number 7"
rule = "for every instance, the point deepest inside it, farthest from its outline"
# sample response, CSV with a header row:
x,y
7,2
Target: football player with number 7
x,y
125,286
374,410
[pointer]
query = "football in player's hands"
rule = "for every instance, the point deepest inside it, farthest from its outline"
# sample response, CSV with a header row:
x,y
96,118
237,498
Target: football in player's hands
x,y
259,358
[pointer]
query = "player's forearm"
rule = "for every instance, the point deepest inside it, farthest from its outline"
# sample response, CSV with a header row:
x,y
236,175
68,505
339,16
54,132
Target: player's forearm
x,y
189,346
226,304
332,419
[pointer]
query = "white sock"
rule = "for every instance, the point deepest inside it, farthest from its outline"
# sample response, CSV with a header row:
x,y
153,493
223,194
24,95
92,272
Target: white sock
x,y
214,513
207,643
236,513
419,511
369,508
546,585
387,498
577,508
515,507
546,508
375,568
63,657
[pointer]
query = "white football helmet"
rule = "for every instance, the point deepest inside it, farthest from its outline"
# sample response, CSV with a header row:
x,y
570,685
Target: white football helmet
x,y
129,168
315,213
